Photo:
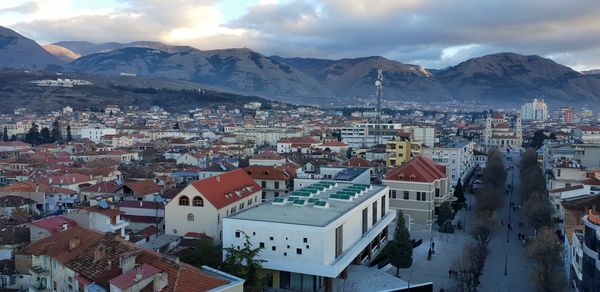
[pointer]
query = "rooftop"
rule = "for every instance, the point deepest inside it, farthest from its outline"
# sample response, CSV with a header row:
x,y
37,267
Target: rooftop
x,y
315,205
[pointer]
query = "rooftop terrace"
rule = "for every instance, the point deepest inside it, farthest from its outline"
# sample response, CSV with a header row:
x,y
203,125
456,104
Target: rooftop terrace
x,y
316,205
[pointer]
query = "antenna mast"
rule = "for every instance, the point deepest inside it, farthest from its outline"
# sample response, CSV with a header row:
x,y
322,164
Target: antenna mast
x,y
378,86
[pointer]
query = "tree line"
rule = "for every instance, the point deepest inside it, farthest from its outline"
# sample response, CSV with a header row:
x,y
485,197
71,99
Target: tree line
x,y
37,136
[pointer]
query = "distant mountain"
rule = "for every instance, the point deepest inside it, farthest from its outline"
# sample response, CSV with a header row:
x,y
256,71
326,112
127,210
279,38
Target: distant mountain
x,y
510,77
61,53
17,51
589,72
88,48
236,70
356,77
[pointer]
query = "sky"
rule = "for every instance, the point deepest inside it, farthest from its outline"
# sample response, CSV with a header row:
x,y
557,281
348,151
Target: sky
x,y
432,33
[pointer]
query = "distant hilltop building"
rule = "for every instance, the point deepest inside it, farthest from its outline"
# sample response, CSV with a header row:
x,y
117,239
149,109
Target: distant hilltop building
x,y
61,82
502,131
535,110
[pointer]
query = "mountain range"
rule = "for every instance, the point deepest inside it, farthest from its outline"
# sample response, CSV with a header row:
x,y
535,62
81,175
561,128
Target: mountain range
x,y
502,78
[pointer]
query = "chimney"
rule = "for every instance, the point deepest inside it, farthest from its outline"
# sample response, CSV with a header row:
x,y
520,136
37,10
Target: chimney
x,y
218,178
127,263
73,243
138,274
50,180
65,225
37,188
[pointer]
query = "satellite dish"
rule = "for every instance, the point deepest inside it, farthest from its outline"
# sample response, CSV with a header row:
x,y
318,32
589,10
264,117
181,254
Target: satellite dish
x,y
377,83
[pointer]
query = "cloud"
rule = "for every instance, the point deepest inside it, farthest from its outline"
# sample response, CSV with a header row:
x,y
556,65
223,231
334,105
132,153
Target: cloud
x,y
433,33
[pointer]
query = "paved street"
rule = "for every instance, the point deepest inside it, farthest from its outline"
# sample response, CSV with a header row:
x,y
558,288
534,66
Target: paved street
x,y
449,248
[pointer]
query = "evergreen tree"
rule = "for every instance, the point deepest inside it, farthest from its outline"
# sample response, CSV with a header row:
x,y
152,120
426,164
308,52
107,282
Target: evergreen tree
x,y
5,135
243,263
401,248
33,135
204,253
45,135
13,137
459,194
444,215
69,135
56,134
176,127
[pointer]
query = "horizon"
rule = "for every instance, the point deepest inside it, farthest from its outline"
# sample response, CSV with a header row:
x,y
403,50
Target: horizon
x,y
417,32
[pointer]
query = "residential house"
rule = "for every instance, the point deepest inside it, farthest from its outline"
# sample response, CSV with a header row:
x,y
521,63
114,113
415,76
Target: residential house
x,y
274,180
142,190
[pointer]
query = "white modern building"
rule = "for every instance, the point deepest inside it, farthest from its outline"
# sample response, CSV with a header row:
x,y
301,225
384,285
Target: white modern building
x,y
426,135
456,153
535,110
311,236
95,134
365,134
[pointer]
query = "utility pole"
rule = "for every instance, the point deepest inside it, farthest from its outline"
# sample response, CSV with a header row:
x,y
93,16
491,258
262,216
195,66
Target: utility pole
x,y
378,86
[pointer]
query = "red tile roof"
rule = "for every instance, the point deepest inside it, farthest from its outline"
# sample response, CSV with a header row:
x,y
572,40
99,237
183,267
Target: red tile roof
x,y
334,143
589,128
264,172
126,280
592,181
299,140
144,187
103,187
357,162
418,169
267,155
140,204
54,224
227,188
566,189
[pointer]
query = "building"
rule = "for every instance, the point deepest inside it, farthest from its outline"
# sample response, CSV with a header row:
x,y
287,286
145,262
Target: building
x,y
101,219
587,134
365,134
275,181
567,115
585,273
456,153
416,188
80,259
297,144
312,235
400,151
355,175
535,110
96,133
426,135
503,132
201,206
268,158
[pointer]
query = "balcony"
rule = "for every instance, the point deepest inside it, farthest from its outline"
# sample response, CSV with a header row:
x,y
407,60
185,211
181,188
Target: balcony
x,y
116,225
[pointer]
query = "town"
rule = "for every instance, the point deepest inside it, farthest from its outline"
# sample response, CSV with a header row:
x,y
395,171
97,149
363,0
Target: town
x,y
299,198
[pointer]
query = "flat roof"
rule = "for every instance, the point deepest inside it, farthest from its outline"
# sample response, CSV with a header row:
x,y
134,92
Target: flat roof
x,y
307,207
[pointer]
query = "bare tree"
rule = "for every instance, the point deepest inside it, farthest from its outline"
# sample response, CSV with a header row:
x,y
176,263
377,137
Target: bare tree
x,y
482,233
494,172
545,250
489,199
469,266
538,210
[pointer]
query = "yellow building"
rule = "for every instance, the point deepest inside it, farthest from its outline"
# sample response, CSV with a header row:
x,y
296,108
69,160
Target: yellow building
x,y
400,151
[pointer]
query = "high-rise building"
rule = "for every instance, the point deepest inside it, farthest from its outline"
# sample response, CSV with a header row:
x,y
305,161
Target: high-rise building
x,y
535,110
568,114
502,131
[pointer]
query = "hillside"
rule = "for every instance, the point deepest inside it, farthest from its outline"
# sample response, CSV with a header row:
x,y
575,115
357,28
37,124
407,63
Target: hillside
x,y
17,51
18,92
61,53
88,48
238,70
509,77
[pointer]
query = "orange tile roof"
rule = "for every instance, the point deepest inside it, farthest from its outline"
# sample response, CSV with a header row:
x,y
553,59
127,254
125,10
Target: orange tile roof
x,y
144,187
267,172
418,169
357,162
227,188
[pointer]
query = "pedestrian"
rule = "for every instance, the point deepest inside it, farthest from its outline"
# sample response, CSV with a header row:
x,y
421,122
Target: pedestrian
x,y
449,273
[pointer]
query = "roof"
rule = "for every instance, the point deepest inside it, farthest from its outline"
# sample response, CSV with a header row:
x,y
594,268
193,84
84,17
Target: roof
x,y
15,201
144,187
267,155
102,187
566,189
54,224
334,143
57,245
108,212
226,188
592,181
126,280
299,140
264,172
308,215
589,128
357,162
418,169
140,204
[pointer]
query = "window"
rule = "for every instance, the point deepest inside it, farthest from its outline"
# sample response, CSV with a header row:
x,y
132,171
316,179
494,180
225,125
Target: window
x,y
262,245
271,238
237,234
184,201
374,217
558,172
273,248
276,184
264,195
339,241
382,206
392,194
298,251
437,192
263,184
305,240
190,217
197,202
276,194
406,197
365,218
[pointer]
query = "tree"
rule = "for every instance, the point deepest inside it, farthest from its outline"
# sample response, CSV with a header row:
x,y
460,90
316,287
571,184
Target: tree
x,y
45,135
445,214
401,246
459,194
5,135
538,139
538,210
33,135
13,137
176,127
56,133
482,233
69,135
243,263
469,266
545,250
204,253
489,199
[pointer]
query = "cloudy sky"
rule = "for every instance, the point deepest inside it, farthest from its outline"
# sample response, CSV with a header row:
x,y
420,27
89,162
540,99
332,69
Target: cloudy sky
x,y
432,33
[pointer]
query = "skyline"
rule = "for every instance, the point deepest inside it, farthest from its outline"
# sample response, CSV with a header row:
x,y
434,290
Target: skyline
x,y
417,31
